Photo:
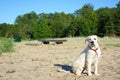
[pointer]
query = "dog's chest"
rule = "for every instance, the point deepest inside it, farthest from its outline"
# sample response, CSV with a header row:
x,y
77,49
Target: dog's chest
x,y
93,54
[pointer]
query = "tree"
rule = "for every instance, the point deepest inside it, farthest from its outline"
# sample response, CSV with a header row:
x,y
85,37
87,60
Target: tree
x,y
89,16
58,22
12,31
41,30
106,21
84,10
83,22
118,4
79,27
3,29
26,23
117,20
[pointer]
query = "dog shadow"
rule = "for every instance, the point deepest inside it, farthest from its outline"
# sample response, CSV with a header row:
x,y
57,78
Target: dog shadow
x,y
68,68
64,67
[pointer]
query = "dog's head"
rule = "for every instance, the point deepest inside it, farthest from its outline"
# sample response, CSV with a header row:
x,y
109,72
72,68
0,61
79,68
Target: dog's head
x,y
92,41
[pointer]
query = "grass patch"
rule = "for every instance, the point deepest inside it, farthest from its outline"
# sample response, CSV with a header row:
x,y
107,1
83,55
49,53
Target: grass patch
x,y
11,71
115,45
76,40
11,62
6,45
1,76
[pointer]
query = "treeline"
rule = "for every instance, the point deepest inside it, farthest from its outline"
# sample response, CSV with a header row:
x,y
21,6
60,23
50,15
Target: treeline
x,y
83,22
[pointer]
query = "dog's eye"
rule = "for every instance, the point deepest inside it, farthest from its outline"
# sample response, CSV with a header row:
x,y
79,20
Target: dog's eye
x,y
89,39
94,38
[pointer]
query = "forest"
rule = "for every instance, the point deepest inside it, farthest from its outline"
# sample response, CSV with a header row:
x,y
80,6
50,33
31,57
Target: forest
x,y
82,22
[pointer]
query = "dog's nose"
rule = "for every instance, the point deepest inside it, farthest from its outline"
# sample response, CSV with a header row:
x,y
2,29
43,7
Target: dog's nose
x,y
92,42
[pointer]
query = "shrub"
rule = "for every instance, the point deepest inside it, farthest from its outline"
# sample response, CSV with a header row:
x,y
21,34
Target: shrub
x,y
6,45
11,71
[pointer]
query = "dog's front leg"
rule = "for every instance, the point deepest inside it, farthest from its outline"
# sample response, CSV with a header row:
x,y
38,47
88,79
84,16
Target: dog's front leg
x,y
96,67
89,67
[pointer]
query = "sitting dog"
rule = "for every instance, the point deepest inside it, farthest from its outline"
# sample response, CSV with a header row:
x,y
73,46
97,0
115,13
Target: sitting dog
x,y
87,57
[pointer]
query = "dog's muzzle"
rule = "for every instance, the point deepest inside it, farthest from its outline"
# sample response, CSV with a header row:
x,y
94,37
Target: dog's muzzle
x,y
92,42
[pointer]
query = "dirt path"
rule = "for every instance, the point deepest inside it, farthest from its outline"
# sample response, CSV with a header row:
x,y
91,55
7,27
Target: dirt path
x,y
43,62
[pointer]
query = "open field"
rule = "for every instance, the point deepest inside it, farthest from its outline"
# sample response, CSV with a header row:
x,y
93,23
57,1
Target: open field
x,y
42,62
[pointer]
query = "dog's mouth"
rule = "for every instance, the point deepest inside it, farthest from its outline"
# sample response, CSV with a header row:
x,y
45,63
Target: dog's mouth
x,y
92,45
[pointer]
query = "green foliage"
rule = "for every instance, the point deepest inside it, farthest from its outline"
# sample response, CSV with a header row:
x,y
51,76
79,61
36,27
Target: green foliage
x,y
6,45
26,24
88,22
106,21
58,22
83,22
84,11
79,27
3,29
11,71
118,4
115,45
42,30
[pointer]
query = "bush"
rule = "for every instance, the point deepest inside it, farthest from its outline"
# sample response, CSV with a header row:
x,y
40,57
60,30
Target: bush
x,y
6,45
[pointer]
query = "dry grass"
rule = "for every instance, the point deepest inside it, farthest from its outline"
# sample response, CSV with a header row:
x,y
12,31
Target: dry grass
x,y
44,61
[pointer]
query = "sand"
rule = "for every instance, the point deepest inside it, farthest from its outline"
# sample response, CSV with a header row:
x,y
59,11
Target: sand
x,y
43,62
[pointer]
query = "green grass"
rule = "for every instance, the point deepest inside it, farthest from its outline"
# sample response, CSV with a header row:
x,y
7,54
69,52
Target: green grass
x,y
1,76
6,45
76,40
107,41
11,71
115,45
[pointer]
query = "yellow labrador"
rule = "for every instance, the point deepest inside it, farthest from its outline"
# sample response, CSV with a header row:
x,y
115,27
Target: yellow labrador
x,y
87,57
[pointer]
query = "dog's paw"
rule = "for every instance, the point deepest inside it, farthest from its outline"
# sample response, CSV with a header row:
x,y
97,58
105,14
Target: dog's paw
x,y
78,74
89,74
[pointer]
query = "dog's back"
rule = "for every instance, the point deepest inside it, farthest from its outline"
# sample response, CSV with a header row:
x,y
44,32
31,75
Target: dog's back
x,y
79,63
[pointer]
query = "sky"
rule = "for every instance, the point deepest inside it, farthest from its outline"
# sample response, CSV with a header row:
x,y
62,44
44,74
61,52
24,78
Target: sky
x,y
10,9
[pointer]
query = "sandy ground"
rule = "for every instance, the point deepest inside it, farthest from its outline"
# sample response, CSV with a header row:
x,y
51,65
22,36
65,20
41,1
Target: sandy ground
x,y
43,62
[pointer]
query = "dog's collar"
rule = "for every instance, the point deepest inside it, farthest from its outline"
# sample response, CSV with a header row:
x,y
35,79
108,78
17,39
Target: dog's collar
x,y
95,50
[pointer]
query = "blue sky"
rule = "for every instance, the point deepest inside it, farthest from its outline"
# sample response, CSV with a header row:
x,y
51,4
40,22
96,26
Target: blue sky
x,y
10,9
